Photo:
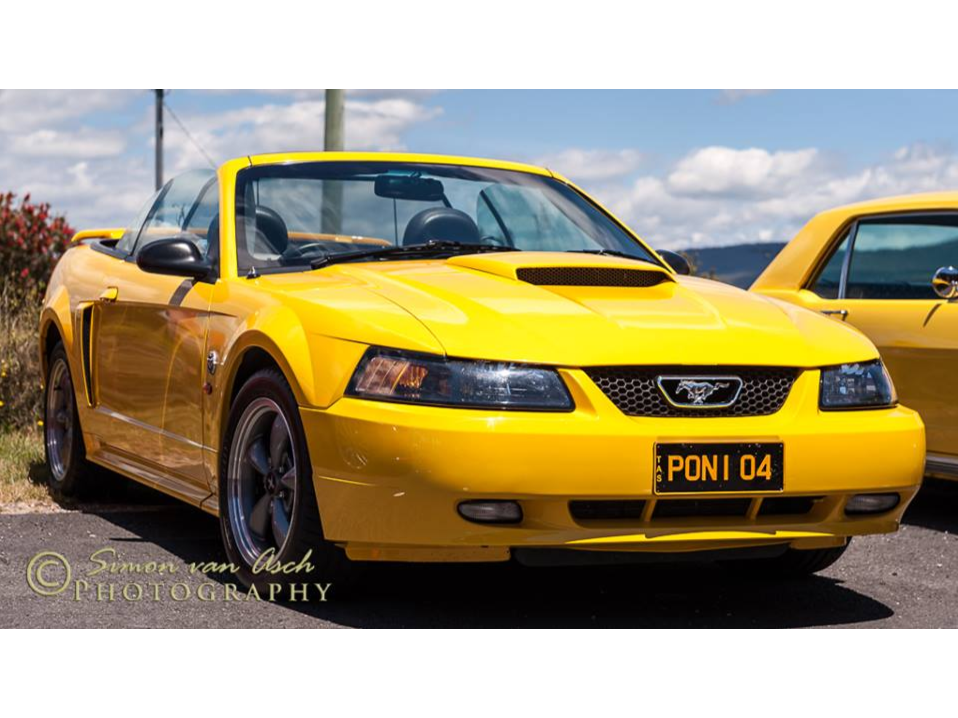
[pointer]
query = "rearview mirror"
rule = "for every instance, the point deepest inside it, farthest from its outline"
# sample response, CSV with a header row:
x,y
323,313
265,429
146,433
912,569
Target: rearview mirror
x,y
409,186
176,256
679,263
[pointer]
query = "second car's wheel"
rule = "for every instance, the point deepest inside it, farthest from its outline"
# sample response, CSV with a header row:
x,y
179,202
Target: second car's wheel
x,y
69,471
269,516
791,564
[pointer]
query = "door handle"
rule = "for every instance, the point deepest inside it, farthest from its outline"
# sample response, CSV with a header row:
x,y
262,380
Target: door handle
x,y
109,294
843,313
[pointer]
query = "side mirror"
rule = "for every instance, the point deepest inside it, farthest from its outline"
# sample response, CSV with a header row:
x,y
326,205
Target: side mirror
x,y
679,263
177,257
945,282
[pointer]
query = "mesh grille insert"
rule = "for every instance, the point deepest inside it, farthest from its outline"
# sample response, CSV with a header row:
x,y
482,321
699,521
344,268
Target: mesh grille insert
x,y
634,391
590,276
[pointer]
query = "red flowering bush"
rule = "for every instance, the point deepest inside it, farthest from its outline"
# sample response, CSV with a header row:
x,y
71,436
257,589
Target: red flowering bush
x,y
31,242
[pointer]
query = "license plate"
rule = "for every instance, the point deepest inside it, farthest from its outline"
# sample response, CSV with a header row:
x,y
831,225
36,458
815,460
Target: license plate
x,y
696,468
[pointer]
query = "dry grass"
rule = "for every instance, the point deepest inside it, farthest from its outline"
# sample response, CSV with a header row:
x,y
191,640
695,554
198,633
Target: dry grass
x,y
22,470
19,361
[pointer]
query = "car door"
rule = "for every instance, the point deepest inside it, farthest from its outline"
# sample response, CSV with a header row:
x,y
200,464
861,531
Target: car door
x,y
149,357
879,279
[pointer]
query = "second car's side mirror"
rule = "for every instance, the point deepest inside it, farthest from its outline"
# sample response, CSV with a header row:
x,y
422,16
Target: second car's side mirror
x,y
176,256
679,263
945,282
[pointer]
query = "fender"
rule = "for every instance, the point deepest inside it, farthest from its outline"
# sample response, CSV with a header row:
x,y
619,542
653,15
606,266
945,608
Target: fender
x,y
56,314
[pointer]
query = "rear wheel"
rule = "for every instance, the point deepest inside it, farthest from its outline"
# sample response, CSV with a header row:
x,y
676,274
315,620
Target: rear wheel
x,y
791,564
68,470
268,510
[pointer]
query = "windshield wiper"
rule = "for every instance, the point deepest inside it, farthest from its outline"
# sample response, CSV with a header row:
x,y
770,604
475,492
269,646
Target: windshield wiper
x,y
611,253
429,249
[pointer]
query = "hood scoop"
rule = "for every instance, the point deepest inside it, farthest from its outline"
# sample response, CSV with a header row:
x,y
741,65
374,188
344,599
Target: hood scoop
x,y
591,276
565,269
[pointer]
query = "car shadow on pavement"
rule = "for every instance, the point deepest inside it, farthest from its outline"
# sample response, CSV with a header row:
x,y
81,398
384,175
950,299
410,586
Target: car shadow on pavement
x,y
935,507
688,595
108,490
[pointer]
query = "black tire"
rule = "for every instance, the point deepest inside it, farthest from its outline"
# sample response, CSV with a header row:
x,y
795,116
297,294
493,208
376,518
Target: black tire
x,y
791,564
305,536
70,475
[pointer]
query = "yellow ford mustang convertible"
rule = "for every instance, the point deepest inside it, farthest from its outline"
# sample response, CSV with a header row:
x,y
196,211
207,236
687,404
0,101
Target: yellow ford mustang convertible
x,y
417,358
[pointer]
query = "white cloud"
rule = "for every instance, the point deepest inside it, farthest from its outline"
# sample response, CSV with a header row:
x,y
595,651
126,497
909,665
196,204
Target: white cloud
x,y
721,195
29,110
726,171
82,143
65,147
730,97
370,125
90,155
593,165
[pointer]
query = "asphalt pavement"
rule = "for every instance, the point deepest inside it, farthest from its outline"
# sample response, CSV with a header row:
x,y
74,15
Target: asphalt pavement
x,y
908,579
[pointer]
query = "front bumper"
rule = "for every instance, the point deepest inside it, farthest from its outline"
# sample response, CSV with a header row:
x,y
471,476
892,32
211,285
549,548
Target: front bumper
x,y
389,477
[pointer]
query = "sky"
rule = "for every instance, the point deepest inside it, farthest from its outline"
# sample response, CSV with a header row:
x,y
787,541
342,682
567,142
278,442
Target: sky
x,y
690,168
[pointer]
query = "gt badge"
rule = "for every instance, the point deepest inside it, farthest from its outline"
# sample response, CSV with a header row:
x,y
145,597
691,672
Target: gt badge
x,y
211,360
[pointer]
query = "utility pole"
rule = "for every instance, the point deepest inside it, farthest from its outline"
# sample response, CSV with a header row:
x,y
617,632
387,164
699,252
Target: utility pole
x,y
334,140
159,138
335,137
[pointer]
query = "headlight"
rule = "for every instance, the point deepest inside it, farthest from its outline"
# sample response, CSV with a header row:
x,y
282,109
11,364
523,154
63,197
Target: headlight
x,y
857,386
391,375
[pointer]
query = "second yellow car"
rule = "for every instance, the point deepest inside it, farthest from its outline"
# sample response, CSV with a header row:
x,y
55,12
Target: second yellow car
x,y
888,268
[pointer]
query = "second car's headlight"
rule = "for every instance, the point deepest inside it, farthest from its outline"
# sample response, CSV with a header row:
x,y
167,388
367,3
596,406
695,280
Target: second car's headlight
x,y
391,375
857,386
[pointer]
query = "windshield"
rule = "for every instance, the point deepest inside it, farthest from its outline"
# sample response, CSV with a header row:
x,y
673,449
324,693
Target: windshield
x,y
290,216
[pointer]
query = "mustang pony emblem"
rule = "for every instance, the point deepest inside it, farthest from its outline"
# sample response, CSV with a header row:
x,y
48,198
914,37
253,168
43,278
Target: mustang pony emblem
x,y
699,391
705,392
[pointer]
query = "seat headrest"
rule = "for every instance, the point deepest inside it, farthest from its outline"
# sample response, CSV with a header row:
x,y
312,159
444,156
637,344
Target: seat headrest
x,y
441,223
271,229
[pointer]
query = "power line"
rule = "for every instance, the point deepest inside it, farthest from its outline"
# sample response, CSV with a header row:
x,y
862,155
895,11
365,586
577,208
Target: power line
x,y
188,135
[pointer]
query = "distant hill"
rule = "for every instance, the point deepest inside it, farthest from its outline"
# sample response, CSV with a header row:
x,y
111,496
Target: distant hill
x,y
738,264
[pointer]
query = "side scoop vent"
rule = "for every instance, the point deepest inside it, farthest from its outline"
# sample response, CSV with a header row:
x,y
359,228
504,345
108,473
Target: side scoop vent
x,y
591,276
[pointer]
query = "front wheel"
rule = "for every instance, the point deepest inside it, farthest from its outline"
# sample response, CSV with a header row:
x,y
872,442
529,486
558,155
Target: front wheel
x,y
68,470
791,564
269,516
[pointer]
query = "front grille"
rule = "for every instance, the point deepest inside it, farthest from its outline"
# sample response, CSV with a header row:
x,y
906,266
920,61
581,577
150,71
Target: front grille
x,y
590,277
634,391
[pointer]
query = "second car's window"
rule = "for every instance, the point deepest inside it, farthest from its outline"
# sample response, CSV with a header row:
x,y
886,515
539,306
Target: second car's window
x,y
896,258
829,280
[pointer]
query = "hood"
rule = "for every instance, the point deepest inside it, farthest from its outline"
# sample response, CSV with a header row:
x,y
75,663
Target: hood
x,y
477,306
